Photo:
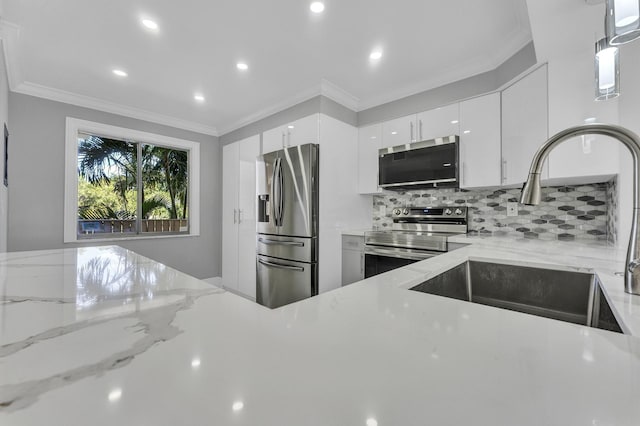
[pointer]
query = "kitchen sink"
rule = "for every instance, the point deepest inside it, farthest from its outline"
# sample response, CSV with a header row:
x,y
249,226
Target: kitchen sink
x,y
569,296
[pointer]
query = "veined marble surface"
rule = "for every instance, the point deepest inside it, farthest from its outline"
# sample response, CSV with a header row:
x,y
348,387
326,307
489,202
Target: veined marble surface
x,y
103,336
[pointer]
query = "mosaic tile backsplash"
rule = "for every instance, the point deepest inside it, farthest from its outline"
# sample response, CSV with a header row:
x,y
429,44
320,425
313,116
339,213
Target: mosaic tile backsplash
x,y
566,212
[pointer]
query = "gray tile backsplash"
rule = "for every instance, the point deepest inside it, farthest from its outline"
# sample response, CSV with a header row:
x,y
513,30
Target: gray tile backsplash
x,y
584,212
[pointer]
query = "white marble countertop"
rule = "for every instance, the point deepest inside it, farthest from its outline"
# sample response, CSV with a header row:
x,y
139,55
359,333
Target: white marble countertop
x,y
102,336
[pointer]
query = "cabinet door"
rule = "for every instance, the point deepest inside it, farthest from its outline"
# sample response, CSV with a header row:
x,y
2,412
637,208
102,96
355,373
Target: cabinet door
x,y
249,150
524,125
399,131
230,156
571,103
352,259
303,131
369,142
273,140
438,122
352,266
480,142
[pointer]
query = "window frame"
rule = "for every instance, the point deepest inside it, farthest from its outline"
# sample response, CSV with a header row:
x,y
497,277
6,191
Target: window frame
x,y
74,126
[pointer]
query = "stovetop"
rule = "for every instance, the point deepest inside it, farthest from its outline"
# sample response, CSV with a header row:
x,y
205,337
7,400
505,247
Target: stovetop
x,y
425,228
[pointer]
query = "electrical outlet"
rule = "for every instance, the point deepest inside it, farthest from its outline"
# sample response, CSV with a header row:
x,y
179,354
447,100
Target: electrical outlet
x,y
512,209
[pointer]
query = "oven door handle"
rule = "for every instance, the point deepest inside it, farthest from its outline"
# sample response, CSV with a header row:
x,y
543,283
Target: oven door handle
x,y
399,253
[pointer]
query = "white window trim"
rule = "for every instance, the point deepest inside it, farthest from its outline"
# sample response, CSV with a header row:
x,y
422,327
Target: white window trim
x,y
74,126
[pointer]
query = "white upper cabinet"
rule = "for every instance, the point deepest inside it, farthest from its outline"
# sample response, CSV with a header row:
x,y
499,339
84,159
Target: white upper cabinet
x,y
399,131
369,142
299,132
480,142
439,122
571,103
524,125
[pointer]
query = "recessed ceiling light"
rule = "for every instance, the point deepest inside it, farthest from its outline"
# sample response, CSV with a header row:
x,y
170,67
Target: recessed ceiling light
x,y
454,121
376,54
372,422
466,132
198,97
115,395
237,406
195,363
317,7
120,73
148,23
291,127
242,66
394,133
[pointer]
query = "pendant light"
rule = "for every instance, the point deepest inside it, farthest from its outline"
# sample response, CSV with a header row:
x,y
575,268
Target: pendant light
x,y
622,22
607,64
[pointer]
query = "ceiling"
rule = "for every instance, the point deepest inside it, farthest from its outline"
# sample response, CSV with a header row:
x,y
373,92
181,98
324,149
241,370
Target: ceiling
x,y
67,50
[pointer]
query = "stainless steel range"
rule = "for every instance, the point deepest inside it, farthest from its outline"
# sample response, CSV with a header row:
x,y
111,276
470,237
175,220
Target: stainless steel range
x,y
417,233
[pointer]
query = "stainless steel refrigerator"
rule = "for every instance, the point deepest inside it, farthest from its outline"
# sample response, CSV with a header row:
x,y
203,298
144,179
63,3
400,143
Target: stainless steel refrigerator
x,y
287,227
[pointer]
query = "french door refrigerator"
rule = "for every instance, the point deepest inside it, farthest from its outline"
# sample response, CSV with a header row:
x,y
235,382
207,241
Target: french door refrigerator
x,y
287,227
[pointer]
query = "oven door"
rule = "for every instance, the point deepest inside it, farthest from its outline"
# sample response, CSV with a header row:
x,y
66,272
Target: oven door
x,y
379,259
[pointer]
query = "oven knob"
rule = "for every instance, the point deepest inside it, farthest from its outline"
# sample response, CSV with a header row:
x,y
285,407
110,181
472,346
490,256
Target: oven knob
x,y
458,212
448,212
405,211
396,212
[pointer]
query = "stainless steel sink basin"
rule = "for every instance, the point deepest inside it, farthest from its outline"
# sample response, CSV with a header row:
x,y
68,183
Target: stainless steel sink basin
x,y
574,297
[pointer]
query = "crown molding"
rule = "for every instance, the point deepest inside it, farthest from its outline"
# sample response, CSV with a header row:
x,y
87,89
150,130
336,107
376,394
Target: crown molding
x,y
294,100
57,95
339,95
9,33
450,75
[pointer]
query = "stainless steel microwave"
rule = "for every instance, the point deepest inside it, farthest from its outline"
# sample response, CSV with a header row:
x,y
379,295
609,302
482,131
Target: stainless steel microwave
x,y
426,164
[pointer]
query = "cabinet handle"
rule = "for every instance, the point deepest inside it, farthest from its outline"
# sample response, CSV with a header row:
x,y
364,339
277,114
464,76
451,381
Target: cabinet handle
x,y
420,130
235,212
464,173
411,131
362,266
239,216
283,140
504,171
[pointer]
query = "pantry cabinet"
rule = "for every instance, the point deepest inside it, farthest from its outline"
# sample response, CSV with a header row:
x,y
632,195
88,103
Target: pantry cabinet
x,y
239,216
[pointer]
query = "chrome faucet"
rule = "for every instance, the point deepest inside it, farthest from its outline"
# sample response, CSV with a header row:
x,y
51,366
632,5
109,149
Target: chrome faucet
x,y
531,191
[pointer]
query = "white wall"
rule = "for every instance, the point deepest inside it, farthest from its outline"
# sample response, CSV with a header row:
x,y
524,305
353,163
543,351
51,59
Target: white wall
x,y
4,118
36,185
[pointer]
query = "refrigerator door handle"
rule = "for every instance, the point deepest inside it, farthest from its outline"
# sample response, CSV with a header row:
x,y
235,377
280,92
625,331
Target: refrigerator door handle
x,y
280,199
280,243
280,266
274,188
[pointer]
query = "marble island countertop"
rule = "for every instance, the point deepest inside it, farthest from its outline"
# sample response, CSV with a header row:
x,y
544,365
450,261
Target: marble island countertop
x,y
103,336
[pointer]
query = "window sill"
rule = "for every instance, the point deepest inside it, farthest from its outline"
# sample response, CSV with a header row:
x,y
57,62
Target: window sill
x,y
142,237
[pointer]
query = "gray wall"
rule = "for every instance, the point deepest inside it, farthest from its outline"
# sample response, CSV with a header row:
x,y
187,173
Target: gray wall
x,y
37,185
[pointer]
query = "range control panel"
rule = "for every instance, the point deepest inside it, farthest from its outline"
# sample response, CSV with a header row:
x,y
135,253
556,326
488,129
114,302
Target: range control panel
x,y
430,212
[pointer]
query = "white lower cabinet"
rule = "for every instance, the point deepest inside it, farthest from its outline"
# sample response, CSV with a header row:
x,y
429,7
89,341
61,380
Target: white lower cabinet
x,y
352,259
480,142
239,216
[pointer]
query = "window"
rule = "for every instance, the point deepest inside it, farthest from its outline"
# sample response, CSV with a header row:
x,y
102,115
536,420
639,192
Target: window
x,y
123,183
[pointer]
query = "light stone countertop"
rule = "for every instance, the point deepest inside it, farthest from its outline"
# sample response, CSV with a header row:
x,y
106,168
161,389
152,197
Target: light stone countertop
x,y
103,336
